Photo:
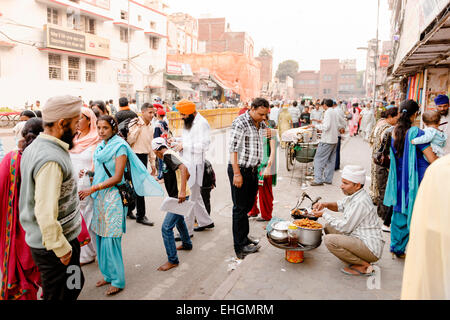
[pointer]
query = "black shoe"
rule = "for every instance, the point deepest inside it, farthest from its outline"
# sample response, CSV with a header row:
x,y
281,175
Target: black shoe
x,y
131,216
252,241
316,184
248,249
178,238
198,229
145,221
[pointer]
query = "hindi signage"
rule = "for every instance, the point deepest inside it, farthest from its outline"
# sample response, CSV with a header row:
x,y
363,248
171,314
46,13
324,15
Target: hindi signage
x,y
75,41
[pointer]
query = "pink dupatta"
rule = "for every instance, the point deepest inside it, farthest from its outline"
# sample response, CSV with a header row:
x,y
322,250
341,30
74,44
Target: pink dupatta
x,y
20,276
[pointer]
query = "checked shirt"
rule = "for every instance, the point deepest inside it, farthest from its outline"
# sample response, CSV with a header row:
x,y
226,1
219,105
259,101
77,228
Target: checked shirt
x,y
247,140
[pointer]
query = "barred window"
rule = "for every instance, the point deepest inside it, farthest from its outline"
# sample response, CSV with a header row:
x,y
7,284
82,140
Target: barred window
x,y
54,66
123,34
74,68
90,70
52,15
154,43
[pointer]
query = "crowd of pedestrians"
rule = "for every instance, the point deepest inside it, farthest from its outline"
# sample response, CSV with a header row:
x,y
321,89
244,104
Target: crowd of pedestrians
x,y
77,172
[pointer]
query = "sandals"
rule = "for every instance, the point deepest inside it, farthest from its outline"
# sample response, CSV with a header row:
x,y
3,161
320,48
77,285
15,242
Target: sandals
x,y
370,272
113,291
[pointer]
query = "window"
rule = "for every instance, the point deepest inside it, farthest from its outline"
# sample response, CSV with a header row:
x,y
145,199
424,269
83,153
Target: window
x,y
152,25
123,34
327,78
80,23
326,91
154,43
90,70
89,25
54,66
52,16
123,15
74,68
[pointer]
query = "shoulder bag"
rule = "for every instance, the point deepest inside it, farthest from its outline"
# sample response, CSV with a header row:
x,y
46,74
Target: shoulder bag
x,y
126,189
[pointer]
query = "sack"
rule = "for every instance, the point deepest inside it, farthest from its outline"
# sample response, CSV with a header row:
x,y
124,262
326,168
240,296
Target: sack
x,y
209,176
126,189
349,116
381,157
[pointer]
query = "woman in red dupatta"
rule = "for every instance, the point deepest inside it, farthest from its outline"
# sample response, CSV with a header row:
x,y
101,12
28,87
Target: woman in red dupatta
x,y
20,276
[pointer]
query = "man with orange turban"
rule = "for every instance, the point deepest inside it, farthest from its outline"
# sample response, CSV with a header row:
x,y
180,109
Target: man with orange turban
x,y
193,146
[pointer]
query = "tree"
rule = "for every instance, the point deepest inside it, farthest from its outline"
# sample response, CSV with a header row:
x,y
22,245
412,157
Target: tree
x,y
266,52
287,68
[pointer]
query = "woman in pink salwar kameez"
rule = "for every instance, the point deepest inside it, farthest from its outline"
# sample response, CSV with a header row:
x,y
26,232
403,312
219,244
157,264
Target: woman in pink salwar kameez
x,y
353,123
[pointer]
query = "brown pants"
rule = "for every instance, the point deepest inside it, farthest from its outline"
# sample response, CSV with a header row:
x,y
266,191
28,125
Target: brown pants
x,y
349,249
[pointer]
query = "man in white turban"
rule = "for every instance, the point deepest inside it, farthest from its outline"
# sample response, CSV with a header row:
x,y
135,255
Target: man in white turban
x,y
356,238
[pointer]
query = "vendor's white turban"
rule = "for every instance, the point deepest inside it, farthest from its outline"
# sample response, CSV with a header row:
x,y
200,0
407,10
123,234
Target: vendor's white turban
x,y
355,174
61,107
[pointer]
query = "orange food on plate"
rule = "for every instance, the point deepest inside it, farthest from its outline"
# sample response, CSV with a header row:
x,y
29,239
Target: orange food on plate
x,y
308,224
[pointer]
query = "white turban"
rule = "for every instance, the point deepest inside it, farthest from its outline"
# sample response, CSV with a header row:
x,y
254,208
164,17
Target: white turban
x,y
61,107
355,174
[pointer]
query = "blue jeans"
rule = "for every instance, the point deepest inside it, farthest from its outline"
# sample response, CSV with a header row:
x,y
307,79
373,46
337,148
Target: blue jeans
x,y
160,169
324,162
169,223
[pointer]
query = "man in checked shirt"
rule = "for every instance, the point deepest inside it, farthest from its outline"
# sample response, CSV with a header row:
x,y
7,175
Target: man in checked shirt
x,y
246,154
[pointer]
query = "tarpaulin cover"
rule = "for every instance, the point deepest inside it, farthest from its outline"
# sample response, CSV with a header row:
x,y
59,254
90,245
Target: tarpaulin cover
x,y
236,71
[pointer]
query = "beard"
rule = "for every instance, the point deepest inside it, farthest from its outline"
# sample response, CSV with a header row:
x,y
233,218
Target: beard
x,y
68,136
444,113
188,122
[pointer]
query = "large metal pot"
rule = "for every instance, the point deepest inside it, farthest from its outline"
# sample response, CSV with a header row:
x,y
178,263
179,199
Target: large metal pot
x,y
279,233
309,237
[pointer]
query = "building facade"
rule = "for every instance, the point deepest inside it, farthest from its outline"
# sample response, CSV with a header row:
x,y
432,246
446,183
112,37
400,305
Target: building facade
x,y
419,63
96,49
336,79
183,34
266,70
215,36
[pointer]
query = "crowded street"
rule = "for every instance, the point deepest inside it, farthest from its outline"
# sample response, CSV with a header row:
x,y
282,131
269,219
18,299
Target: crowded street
x,y
224,162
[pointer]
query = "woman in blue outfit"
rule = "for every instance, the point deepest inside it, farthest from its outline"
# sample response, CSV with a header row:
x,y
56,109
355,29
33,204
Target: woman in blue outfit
x,y
406,171
109,218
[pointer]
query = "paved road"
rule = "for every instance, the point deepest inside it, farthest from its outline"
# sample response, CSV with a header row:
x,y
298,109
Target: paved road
x,y
203,273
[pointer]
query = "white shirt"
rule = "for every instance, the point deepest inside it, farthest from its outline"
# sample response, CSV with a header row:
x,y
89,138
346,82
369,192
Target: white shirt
x,y
196,143
360,221
446,129
329,127
316,115
133,107
273,115
295,113
342,121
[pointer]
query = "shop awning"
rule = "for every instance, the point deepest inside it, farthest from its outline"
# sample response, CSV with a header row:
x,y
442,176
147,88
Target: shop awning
x,y
219,82
182,85
432,51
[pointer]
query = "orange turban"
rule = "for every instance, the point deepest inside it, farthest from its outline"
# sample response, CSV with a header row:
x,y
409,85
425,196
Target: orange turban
x,y
186,107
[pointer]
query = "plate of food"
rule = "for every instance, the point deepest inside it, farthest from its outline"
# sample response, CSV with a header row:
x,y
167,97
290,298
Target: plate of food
x,y
303,213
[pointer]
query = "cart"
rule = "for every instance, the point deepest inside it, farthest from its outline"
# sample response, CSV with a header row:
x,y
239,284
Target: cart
x,y
301,147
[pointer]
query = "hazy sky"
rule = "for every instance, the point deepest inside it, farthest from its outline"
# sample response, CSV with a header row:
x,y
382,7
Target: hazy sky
x,y
302,30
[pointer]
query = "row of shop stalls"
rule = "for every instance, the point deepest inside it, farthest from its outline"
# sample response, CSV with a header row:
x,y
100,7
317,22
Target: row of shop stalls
x,y
206,90
423,72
